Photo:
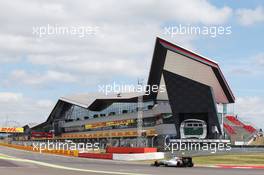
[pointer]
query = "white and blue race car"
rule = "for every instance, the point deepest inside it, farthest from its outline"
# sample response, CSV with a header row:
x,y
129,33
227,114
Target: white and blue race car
x,y
175,162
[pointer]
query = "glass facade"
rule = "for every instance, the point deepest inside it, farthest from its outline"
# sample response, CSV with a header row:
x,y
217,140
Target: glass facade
x,y
147,122
80,113
122,124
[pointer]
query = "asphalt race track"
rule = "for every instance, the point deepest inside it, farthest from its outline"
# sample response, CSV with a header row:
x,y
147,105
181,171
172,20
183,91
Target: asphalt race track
x,y
17,162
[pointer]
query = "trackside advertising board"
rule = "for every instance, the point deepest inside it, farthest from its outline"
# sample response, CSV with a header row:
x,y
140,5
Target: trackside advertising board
x,y
11,130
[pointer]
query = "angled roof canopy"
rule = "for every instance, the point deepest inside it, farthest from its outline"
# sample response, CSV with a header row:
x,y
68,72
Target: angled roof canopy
x,y
178,60
97,101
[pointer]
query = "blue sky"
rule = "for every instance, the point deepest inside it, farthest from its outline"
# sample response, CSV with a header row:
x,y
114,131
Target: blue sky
x,y
36,71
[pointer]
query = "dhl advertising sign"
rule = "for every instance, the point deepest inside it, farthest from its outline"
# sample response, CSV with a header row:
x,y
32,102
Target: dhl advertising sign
x,y
110,123
12,130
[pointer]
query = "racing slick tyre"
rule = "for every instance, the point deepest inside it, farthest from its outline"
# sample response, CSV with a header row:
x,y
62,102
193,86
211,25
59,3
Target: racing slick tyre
x,y
178,165
189,164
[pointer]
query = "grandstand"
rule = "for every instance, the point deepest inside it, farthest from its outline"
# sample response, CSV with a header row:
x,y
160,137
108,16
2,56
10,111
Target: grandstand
x,y
237,130
193,105
257,141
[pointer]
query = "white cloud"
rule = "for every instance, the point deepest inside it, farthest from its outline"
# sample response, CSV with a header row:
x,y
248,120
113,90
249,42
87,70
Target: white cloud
x,y
251,109
250,16
8,97
249,65
36,78
100,66
240,71
126,32
17,107
124,45
45,103
196,12
192,11
259,59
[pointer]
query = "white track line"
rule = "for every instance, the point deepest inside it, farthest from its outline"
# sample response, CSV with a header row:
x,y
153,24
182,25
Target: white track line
x,y
5,157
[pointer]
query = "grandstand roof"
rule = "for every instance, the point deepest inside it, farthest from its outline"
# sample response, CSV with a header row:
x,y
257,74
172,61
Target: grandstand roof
x,y
90,100
178,60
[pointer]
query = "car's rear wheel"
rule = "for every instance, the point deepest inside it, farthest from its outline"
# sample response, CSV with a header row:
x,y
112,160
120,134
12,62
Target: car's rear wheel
x,y
189,164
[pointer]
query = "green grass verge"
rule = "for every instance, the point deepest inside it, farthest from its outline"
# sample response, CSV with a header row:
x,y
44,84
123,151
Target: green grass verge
x,y
231,159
